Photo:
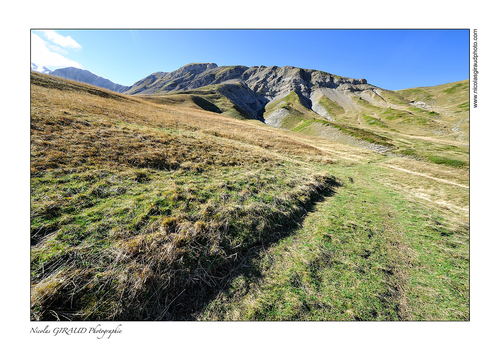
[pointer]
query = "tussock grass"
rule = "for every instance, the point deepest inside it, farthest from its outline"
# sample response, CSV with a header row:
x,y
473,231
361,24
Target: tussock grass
x,y
138,212
154,208
136,111
135,233
369,253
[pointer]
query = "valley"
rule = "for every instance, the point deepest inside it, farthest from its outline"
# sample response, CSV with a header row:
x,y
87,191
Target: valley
x,y
249,193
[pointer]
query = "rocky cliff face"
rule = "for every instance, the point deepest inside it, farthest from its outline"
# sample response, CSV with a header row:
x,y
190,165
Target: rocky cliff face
x,y
265,81
252,88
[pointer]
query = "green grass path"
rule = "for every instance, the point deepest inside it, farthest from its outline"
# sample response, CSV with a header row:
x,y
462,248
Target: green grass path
x,y
365,253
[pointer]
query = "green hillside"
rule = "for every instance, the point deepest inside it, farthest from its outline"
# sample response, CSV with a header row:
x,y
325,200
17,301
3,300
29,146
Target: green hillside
x,y
180,207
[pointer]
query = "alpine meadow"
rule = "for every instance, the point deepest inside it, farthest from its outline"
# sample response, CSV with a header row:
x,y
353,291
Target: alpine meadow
x,y
234,193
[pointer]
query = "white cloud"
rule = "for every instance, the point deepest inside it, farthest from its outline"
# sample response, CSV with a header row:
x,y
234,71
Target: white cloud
x,y
57,49
43,55
63,41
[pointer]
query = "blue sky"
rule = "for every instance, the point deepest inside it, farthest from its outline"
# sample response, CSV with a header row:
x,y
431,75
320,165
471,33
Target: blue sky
x,y
391,59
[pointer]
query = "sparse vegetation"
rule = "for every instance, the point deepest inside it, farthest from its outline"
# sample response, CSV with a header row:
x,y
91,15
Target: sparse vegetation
x,y
363,134
293,98
450,162
463,107
374,121
296,112
454,88
392,114
331,107
225,70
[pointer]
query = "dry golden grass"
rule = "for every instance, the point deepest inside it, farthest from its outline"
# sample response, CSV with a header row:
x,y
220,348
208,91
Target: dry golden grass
x,y
137,205
119,108
147,208
74,140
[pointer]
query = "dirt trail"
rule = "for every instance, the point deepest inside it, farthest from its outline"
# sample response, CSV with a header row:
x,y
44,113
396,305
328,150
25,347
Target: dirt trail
x,y
362,158
441,203
423,175
436,140
340,154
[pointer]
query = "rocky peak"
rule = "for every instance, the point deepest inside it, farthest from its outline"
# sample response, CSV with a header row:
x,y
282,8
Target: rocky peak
x,y
194,68
251,87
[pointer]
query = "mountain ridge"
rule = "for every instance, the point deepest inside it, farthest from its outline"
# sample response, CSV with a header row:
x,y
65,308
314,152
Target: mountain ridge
x,y
251,88
157,207
318,103
307,100
85,76
80,75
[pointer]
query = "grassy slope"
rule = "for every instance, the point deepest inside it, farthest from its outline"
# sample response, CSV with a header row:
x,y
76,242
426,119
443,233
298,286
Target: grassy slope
x,y
165,211
210,99
331,107
389,121
302,120
296,112
449,95
133,204
437,133
369,253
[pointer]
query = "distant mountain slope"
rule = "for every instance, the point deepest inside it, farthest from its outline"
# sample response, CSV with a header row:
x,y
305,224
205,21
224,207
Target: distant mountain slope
x,y
252,88
453,97
316,102
307,101
84,76
157,207
449,101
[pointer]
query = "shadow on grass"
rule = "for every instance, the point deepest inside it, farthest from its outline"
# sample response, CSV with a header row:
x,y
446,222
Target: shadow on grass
x,y
192,301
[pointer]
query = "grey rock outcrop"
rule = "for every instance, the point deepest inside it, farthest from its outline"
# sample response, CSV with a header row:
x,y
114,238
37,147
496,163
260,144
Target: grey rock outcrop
x,y
251,88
